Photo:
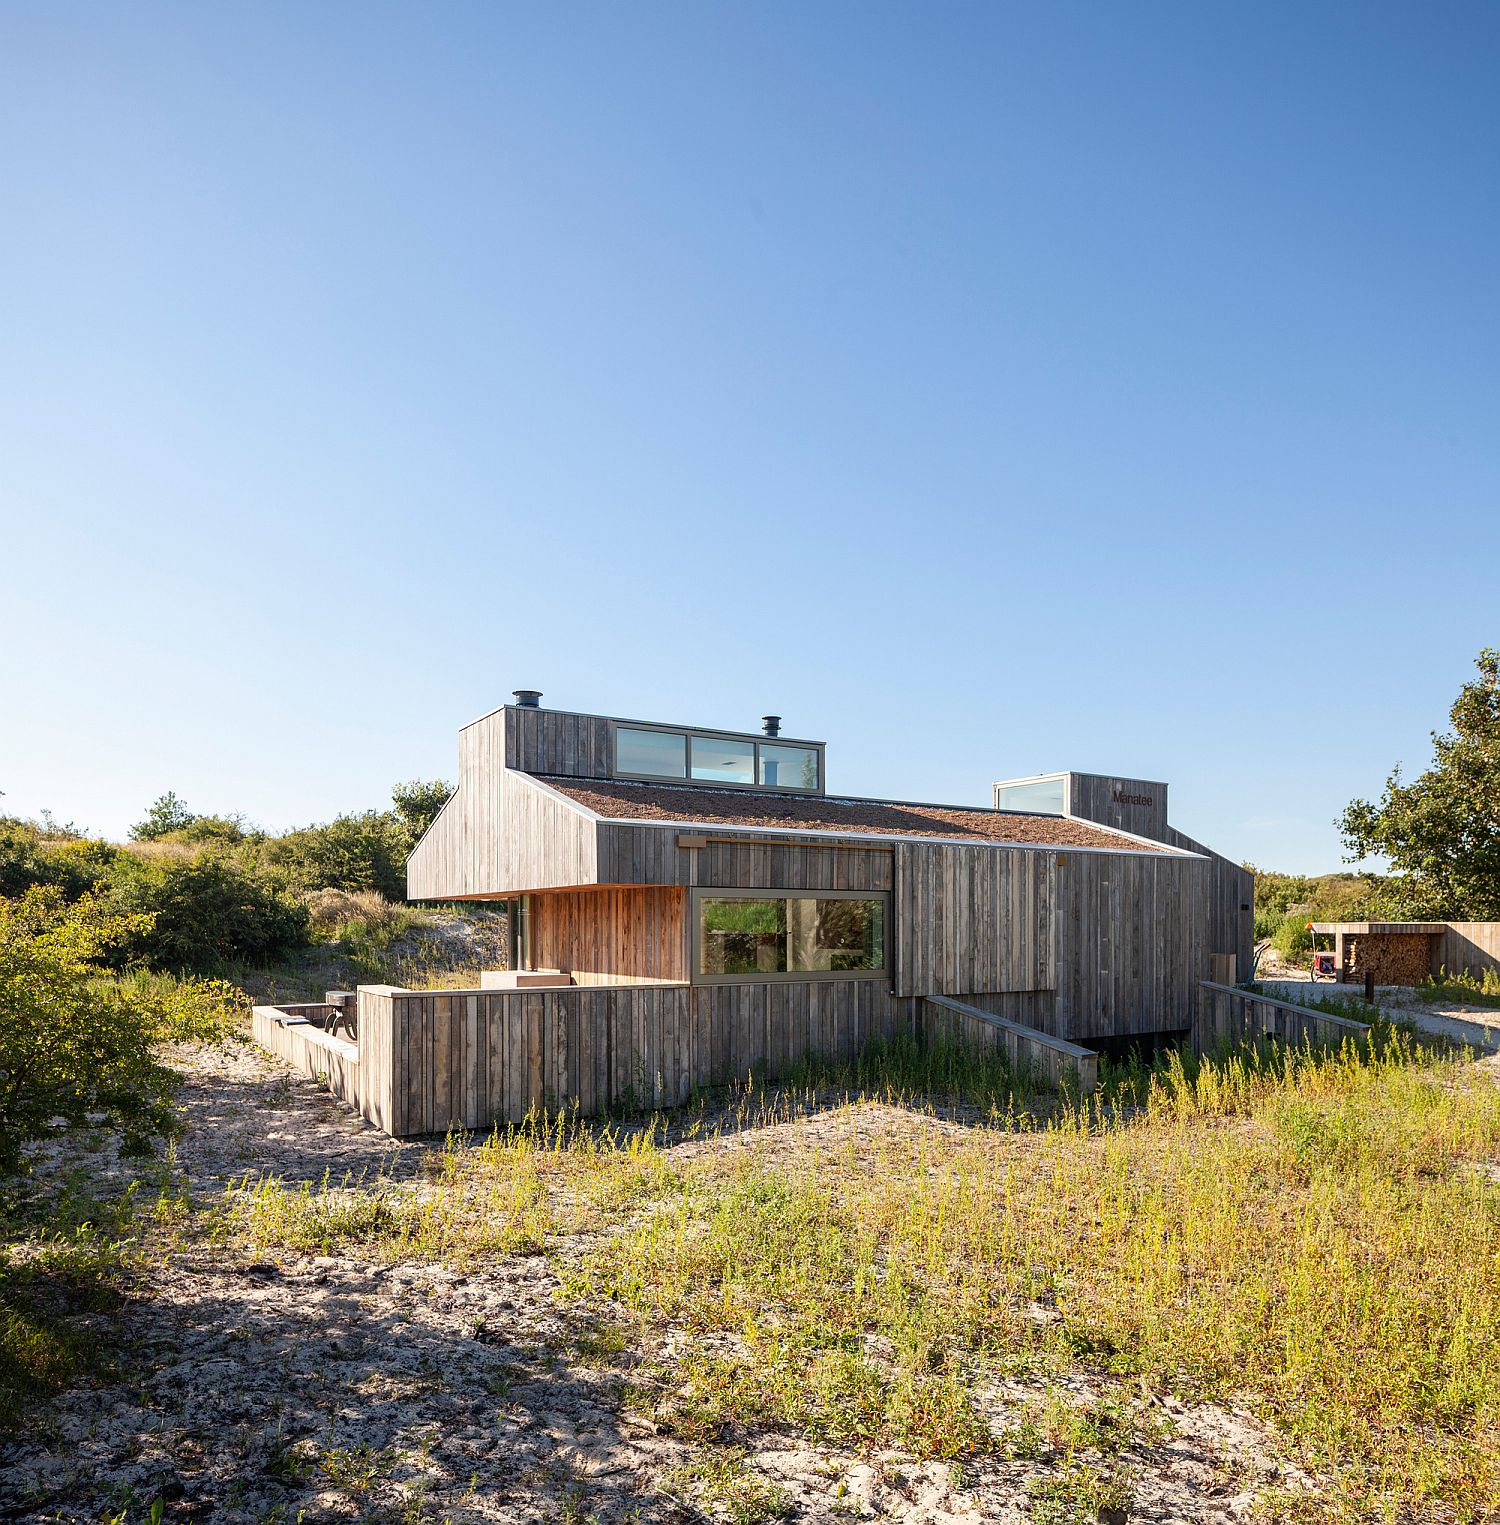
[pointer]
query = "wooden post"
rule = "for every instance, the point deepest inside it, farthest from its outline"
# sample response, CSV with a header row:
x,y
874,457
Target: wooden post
x,y
1370,986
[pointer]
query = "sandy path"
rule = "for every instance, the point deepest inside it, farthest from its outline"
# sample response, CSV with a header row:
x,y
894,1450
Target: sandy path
x,y
333,1388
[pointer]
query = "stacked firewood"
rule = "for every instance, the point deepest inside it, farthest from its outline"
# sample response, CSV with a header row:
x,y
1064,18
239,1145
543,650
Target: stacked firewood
x,y
1394,958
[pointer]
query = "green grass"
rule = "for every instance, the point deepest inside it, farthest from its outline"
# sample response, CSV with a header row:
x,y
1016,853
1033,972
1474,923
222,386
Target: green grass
x,y
48,1288
1311,1231
1314,1234
902,1068
1461,989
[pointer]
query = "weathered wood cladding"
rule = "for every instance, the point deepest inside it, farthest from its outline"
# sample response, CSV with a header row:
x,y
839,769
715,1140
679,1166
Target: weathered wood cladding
x,y
502,832
471,1059
611,935
1470,947
641,854
1084,944
1132,931
553,741
1137,805
1055,1060
306,1048
1080,943
974,918
1231,903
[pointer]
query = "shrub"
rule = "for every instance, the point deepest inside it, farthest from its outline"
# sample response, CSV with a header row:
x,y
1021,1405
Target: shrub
x,y
1291,939
202,913
73,1048
353,852
167,814
339,914
29,856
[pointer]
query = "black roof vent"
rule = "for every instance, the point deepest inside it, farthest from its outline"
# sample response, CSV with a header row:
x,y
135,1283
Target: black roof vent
x,y
529,698
772,724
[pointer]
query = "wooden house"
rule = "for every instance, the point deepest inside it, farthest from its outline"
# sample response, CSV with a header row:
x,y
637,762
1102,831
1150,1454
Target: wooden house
x,y
688,905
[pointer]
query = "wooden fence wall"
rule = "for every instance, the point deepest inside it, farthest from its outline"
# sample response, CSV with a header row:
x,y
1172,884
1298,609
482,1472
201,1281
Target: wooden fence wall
x,y
1058,1062
1470,947
1227,1014
434,1060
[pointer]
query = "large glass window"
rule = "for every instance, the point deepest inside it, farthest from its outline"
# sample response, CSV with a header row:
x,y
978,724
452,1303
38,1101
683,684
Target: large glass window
x,y
651,754
742,936
1044,796
740,763
723,762
790,937
788,767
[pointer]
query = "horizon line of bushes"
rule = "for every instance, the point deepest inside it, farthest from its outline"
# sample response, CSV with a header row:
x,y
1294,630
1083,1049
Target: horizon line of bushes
x,y
202,892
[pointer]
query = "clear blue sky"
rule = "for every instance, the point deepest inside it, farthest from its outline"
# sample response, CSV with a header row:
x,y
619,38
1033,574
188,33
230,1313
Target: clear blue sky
x,y
987,388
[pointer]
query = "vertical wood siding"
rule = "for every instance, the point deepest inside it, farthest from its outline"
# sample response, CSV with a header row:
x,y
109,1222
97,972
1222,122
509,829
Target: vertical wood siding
x,y
1096,797
974,918
551,741
1133,939
474,1058
1231,892
613,935
501,833
1469,947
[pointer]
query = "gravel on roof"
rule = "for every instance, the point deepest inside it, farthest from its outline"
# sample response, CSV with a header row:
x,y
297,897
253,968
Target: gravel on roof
x,y
724,807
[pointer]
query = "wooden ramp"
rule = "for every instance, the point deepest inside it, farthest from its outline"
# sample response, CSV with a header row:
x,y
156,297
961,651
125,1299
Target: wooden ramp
x,y
1062,1064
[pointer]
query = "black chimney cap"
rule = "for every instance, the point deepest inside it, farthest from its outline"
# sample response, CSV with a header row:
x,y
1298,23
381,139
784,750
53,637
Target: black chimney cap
x,y
772,724
528,698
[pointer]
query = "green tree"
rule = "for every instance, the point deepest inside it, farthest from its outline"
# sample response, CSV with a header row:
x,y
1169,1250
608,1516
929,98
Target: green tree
x,y
167,814
1441,832
416,804
75,1049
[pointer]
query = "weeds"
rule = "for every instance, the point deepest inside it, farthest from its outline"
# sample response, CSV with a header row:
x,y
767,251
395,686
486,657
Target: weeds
x,y
1301,1226
721,1483
902,1065
1462,989
1313,1234
48,1289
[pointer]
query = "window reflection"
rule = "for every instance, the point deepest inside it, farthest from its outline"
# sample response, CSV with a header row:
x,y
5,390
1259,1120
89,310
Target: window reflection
x,y
723,762
736,763
1044,797
743,936
651,754
763,936
788,767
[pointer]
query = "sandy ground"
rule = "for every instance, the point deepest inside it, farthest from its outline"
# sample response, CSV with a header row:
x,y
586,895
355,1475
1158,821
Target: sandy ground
x,y
333,1388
